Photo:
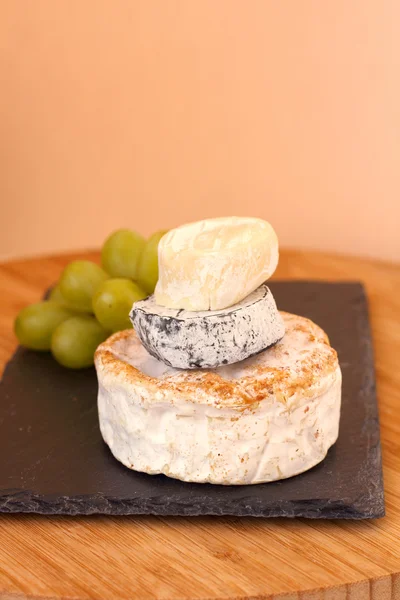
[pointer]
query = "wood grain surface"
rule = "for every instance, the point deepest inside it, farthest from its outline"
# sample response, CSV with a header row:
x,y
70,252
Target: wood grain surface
x,y
216,558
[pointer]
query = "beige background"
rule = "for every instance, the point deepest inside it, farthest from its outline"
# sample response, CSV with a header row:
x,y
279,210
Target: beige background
x,y
149,113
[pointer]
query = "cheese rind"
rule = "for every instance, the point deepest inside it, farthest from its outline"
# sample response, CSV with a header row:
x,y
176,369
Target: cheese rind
x,y
215,263
208,339
270,417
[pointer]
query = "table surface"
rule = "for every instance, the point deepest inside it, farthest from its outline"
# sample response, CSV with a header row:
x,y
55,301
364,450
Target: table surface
x,y
185,558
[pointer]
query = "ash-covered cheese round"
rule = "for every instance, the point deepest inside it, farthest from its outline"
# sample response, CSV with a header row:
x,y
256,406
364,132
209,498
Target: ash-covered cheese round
x,y
208,339
269,417
215,263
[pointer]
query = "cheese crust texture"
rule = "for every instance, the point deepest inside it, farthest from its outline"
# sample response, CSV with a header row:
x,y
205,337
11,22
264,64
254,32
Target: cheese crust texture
x,y
266,418
215,263
208,339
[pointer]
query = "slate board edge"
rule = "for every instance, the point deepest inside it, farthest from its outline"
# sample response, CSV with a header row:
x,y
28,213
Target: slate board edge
x,y
23,502
374,420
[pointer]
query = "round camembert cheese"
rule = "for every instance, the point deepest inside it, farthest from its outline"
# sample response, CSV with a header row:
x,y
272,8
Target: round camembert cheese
x,y
215,263
208,339
269,417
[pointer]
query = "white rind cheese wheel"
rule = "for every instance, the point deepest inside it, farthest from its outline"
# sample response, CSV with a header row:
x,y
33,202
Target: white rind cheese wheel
x,y
208,339
215,263
269,417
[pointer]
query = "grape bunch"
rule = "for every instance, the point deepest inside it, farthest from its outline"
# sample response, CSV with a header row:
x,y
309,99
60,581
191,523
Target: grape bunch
x,y
90,302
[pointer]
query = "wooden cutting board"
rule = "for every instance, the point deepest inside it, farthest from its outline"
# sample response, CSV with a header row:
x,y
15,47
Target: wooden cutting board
x,y
216,558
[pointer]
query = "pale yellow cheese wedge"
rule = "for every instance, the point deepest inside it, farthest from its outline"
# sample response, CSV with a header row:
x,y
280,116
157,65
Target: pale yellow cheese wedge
x,y
215,263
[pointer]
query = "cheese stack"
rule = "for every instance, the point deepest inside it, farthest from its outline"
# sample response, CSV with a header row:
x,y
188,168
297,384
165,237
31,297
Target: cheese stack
x,y
207,387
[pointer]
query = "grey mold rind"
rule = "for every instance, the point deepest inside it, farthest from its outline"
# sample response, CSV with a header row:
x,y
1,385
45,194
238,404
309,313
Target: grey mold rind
x,y
209,339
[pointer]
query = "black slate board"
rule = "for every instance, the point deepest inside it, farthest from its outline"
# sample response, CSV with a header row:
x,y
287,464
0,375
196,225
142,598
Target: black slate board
x,y
53,460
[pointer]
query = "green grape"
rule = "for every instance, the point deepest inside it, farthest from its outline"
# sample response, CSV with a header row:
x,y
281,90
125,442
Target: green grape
x,y
74,342
120,253
113,301
78,283
147,274
35,324
56,295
